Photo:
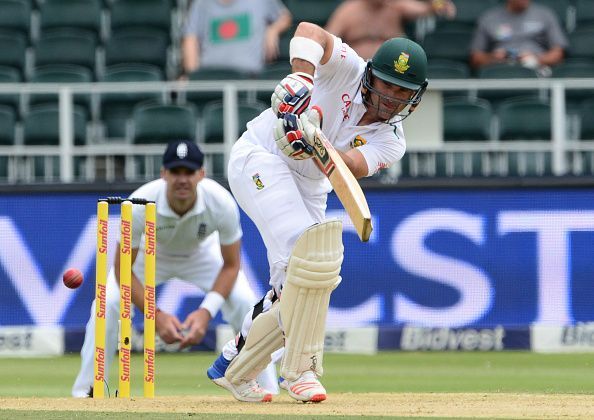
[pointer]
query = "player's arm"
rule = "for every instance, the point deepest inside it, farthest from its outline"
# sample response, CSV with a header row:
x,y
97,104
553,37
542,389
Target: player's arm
x,y
190,53
167,326
197,322
306,54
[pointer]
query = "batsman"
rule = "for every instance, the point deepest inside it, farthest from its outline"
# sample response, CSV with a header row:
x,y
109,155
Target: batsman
x,y
282,189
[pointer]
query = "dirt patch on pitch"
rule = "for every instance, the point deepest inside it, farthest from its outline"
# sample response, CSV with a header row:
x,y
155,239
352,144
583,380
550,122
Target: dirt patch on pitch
x,y
482,405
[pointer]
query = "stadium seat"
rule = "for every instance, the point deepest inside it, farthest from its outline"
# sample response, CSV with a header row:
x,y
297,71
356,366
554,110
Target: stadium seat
x,y
7,124
13,47
467,14
527,119
214,129
42,127
137,45
116,108
276,71
159,123
506,71
584,12
453,45
61,73
314,11
576,68
467,119
559,7
66,46
15,15
447,69
200,99
214,124
146,13
587,119
9,75
283,45
580,44
82,14
470,11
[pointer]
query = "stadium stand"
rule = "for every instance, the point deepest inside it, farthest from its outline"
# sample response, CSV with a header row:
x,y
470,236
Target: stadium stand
x,y
41,125
315,11
61,73
74,41
154,14
116,108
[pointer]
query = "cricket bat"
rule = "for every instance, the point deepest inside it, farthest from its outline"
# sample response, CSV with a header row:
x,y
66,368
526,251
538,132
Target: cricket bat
x,y
345,184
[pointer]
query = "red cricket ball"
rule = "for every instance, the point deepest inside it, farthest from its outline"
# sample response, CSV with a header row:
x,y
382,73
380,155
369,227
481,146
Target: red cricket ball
x,y
72,278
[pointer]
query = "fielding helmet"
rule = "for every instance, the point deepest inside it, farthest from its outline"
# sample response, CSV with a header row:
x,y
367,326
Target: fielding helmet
x,y
400,62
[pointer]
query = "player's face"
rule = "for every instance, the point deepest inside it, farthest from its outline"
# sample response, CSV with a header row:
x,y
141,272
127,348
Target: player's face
x,y
182,182
391,99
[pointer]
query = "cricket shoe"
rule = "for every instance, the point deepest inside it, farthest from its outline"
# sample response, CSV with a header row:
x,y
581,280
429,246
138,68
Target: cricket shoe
x,y
248,391
306,388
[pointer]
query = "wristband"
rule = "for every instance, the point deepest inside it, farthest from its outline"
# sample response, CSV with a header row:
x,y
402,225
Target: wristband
x,y
212,302
305,49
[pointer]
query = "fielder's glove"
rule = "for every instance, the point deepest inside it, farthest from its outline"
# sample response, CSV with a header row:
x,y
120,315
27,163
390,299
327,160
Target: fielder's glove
x,y
292,94
294,134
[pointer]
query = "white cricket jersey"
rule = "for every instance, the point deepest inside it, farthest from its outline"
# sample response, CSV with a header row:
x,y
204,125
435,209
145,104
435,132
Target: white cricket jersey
x,y
182,236
337,91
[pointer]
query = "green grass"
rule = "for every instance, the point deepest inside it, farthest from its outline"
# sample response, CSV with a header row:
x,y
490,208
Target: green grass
x,y
184,374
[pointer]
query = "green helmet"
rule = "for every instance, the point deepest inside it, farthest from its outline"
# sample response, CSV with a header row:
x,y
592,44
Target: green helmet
x,y
400,62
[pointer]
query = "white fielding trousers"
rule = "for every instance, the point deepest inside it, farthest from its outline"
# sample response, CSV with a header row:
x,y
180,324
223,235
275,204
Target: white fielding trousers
x,y
200,270
282,209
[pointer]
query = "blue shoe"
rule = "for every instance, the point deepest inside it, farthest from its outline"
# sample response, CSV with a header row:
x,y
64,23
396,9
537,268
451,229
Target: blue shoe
x,y
218,368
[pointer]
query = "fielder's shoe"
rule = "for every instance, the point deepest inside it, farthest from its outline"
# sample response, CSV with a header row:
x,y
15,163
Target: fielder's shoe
x,y
249,391
306,388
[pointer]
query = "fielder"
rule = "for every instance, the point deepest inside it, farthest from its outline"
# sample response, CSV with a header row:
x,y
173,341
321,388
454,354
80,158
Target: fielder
x,y
280,188
191,210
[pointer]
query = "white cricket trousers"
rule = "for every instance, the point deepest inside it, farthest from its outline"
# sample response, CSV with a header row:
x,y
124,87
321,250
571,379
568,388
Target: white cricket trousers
x,y
282,209
200,269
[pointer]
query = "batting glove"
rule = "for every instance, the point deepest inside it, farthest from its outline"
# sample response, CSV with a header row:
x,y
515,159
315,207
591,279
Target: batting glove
x,y
292,94
294,135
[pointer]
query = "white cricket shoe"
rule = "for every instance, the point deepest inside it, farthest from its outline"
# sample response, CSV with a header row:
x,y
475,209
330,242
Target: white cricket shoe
x,y
306,388
249,391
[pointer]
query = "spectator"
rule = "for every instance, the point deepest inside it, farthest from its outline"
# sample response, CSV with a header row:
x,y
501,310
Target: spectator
x,y
365,24
234,34
518,32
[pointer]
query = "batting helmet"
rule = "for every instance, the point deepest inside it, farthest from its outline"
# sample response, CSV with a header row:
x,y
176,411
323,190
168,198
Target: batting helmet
x,y
400,62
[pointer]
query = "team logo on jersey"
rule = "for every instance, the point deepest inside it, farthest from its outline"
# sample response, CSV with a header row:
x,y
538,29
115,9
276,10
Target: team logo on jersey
x,y
201,230
401,65
182,150
258,181
358,141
